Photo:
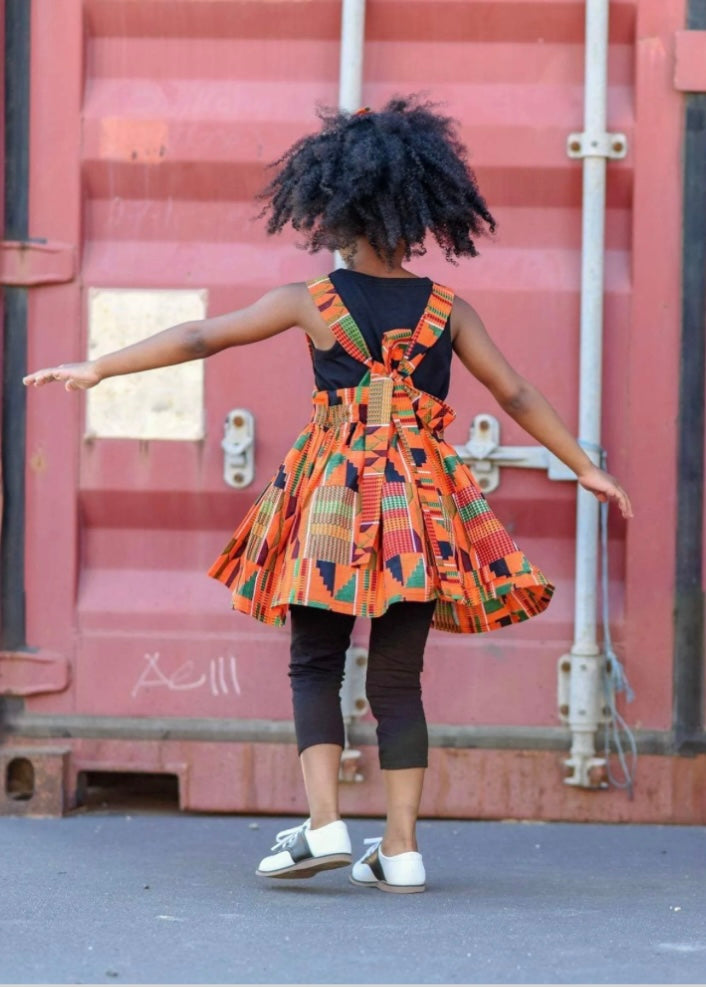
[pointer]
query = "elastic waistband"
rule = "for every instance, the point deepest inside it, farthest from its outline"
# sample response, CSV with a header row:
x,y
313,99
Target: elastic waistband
x,y
350,404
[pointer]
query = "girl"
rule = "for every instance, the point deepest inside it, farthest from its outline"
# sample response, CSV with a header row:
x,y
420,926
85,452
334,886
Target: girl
x,y
371,513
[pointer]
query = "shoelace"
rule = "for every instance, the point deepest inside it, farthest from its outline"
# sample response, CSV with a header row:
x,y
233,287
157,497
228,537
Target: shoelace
x,y
373,842
288,837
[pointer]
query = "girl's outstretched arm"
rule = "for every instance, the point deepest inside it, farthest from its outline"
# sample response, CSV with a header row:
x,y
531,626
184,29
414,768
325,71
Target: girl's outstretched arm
x,y
527,405
271,314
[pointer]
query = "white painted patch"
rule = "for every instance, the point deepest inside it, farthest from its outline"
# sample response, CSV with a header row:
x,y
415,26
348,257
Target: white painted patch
x,y
157,404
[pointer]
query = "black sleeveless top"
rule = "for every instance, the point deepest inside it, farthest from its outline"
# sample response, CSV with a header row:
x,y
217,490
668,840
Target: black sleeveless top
x,y
378,305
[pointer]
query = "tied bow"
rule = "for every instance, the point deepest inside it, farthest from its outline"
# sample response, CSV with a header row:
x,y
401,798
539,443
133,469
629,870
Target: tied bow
x,y
396,406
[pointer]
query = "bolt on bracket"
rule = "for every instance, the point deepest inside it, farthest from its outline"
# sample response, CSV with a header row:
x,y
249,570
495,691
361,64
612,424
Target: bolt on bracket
x,y
584,145
354,705
239,448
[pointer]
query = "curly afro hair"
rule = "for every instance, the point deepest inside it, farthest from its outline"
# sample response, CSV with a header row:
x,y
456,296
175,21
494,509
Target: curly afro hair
x,y
390,176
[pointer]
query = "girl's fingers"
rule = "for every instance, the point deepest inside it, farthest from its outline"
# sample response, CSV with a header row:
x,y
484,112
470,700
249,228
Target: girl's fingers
x,y
605,488
623,502
75,377
41,377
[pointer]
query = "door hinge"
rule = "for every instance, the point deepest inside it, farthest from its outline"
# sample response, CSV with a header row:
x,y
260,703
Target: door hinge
x,y
27,673
25,263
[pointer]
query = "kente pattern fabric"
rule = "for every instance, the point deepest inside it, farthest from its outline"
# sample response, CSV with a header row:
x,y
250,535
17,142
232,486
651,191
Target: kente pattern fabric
x,y
371,506
380,304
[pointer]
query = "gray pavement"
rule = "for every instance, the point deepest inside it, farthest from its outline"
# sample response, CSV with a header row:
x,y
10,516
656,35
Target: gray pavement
x,y
153,897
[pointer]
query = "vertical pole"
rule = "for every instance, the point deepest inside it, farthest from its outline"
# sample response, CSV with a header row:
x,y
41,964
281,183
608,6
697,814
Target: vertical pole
x,y
585,658
350,97
350,81
350,88
688,714
16,206
591,332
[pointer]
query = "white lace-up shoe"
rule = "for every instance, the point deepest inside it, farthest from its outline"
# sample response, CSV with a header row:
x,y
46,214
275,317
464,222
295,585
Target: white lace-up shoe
x,y
303,852
402,873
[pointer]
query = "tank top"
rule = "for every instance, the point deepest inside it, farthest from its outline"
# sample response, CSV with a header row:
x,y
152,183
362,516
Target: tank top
x,y
378,305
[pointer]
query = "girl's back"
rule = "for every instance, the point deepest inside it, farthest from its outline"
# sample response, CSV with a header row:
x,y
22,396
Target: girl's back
x,y
378,305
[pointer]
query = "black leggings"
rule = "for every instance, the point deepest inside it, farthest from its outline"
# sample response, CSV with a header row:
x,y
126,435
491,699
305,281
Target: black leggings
x,y
320,639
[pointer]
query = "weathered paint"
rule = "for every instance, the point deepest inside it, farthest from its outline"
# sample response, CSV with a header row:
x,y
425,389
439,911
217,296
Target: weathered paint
x,y
478,784
156,119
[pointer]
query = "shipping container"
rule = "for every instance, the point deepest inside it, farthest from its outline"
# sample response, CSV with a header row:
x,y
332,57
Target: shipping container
x,y
151,123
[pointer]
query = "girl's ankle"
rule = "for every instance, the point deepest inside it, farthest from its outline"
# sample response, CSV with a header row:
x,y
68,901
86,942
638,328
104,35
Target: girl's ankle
x,y
317,822
391,848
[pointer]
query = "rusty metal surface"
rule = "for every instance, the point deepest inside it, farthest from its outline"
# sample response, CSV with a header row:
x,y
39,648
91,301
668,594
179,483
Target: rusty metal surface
x,y
33,780
473,783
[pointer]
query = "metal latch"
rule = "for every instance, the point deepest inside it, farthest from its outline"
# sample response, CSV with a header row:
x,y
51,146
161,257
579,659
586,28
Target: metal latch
x,y
584,710
24,263
485,455
31,673
239,448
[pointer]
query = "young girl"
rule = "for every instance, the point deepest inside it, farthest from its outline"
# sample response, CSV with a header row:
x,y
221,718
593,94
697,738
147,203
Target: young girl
x,y
371,513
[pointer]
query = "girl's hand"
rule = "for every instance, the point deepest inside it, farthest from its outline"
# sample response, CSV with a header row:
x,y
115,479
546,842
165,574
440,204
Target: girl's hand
x,y
76,376
605,487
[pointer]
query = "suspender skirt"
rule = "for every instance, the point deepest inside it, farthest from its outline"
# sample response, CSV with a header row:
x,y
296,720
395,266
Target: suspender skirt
x,y
372,507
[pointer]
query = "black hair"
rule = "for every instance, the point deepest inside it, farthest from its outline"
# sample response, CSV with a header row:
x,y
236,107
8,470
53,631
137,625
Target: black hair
x,y
390,176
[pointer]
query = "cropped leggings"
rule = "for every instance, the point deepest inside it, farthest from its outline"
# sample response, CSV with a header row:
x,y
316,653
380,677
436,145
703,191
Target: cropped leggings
x,y
320,639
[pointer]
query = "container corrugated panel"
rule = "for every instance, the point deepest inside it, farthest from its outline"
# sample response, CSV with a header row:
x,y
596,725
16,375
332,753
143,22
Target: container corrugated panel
x,y
182,105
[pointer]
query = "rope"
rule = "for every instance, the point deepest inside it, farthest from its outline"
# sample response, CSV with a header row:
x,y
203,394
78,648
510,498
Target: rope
x,y
613,673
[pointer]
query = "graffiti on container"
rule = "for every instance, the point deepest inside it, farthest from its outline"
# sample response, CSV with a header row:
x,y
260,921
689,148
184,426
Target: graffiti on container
x,y
221,676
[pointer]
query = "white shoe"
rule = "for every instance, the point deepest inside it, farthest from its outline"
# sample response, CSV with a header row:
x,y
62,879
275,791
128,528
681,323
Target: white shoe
x,y
303,852
402,873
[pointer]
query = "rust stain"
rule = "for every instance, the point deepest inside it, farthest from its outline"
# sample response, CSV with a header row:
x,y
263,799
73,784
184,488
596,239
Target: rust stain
x,y
143,141
38,461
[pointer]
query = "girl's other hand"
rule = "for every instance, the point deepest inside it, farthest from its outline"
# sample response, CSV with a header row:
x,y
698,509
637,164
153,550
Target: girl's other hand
x,y
75,376
605,487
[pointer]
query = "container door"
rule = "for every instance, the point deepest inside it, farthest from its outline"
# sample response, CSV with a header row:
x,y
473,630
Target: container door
x,y
152,126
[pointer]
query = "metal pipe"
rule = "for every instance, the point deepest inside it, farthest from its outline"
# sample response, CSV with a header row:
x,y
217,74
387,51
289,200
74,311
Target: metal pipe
x,y
350,97
350,76
688,712
350,87
16,199
585,691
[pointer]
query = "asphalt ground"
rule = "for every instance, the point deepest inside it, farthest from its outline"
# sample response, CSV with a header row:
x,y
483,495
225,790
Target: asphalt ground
x,y
154,897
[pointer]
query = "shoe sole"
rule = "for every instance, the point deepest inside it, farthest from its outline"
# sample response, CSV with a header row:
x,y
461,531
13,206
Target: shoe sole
x,y
384,886
310,867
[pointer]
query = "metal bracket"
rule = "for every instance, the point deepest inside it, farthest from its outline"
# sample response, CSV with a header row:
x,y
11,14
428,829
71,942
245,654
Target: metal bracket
x,y
485,454
584,711
564,690
605,145
24,263
354,704
239,448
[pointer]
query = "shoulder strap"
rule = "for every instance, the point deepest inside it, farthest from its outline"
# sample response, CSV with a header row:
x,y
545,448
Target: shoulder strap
x,y
429,328
339,319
